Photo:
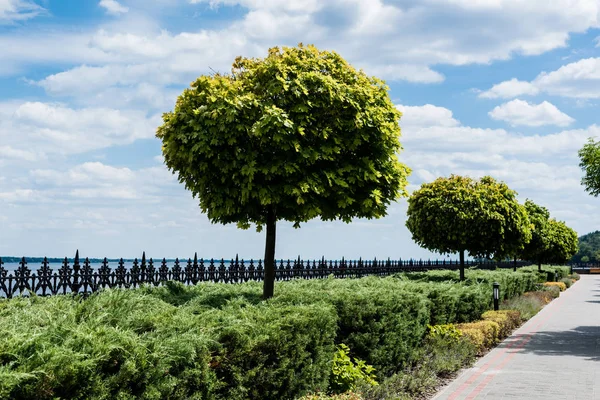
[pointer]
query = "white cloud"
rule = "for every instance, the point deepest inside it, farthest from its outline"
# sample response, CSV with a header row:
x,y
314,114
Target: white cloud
x,y
580,80
510,89
87,173
19,10
519,112
113,7
20,195
427,115
395,41
10,153
46,128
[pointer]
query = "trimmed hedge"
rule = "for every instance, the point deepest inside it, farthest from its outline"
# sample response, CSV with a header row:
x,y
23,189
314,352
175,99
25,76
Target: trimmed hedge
x,y
221,341
124,344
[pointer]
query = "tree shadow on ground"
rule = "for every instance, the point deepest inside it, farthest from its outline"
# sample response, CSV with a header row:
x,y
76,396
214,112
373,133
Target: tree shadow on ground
x,y
582,341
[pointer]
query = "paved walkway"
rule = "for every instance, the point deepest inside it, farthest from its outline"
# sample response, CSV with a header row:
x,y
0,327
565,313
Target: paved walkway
x,y
555,355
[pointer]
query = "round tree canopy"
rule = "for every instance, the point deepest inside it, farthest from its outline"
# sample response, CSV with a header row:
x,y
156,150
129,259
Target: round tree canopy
x,y
460,214
300,133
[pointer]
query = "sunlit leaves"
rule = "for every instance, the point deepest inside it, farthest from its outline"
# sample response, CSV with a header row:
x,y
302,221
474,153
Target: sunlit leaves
x,y
481,217
589,156
300,130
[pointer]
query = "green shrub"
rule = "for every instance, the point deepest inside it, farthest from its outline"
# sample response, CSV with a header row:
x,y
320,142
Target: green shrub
x,y
483,334
346,374
126,344
323,396
542,276
221,341
271,351
381,320
447,332
439,358
506,319
574,276
567,281
527,305
560,285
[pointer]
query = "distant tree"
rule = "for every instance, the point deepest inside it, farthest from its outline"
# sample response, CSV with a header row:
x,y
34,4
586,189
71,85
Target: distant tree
x,y
297,135
562,243
589,246
589,156
459,214
539,218
585,259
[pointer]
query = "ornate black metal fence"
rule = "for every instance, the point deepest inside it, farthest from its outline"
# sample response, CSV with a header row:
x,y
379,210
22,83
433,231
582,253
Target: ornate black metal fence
x,y
81,278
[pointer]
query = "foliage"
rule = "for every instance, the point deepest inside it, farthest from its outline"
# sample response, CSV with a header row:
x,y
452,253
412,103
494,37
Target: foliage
x,y
511,284
297,135
483,334
323,396
567,281
221,341
574,276
506,319
561,285
460,214
527,305
562,243
438,359
589,248
126,344
346,373
589,156
381,319
539,217
552,241
447,332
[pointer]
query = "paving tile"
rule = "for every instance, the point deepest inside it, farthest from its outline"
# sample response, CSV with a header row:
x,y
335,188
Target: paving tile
x,y
555,355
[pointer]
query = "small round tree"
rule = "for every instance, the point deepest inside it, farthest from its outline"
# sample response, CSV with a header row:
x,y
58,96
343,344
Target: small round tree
x,y
297,135
459,214
562,243
551,241
589,157
539,218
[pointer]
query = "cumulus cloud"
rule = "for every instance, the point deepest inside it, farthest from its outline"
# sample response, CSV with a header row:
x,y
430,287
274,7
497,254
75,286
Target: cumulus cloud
x,y
46,128
427,115
398,41
519,112
19,10
113,7
580,80
510,89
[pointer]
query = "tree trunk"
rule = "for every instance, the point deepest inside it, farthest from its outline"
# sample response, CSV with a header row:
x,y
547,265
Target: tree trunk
x,y
462,265
269,282
515,264
540,265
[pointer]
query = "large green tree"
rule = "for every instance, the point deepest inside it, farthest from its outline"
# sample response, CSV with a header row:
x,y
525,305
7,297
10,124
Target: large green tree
x,y
297,135
589,156
460,214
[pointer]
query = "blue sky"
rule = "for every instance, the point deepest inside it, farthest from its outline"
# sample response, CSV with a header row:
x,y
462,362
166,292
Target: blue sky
x,y
507,88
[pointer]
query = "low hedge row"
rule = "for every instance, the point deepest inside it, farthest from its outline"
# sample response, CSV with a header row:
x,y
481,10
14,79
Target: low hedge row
x,y
493,327
221,341
512,284
129,345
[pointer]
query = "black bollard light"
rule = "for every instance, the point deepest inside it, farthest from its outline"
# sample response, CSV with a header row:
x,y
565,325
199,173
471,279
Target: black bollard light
x,y
496,286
